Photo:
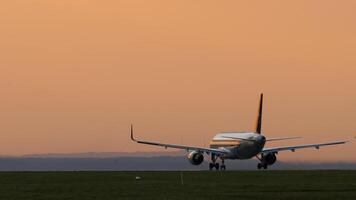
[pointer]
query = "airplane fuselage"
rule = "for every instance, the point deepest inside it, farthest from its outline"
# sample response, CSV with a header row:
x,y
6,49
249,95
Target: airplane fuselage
x,y
247,146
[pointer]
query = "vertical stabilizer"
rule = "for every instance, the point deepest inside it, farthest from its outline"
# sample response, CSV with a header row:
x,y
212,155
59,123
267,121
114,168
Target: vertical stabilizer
x,y
259,117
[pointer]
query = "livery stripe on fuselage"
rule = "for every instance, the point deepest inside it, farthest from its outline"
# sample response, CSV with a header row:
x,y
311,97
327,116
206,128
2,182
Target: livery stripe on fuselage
x,y
224,143
231,143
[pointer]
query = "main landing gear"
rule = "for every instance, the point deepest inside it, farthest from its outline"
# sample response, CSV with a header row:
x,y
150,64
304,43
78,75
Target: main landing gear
x,y
216,165
261,165
265,160
213,165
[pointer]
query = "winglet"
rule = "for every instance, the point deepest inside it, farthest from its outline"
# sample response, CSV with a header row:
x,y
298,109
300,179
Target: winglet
x,y
259,117
132,137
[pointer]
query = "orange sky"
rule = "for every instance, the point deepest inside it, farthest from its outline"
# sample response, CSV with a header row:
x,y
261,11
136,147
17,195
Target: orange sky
x,y
75,74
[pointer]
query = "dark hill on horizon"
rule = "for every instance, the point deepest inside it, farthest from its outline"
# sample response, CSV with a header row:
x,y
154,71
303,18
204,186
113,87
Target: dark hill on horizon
x,y
140,161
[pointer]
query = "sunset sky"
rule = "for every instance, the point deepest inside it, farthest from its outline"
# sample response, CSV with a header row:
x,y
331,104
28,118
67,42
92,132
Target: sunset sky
x,y
75,73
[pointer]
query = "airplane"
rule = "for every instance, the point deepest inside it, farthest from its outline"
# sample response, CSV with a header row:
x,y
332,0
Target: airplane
x,y
238,145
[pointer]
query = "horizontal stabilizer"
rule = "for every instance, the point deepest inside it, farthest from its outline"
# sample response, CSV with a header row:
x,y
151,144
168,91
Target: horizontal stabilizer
x,y
282,138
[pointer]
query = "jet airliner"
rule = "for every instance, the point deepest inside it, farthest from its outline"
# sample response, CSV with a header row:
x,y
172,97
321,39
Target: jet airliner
x,y
238,145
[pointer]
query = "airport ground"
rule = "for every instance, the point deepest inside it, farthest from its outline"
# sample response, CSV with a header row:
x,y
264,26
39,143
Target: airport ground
x,y
310,184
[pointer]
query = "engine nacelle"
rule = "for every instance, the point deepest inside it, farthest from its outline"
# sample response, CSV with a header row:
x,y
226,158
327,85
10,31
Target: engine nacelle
x,y
269,158
196,158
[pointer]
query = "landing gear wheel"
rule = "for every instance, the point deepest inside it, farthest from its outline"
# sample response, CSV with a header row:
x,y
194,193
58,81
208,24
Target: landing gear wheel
x,y
222,167
211,166
264,166
217,166
259,166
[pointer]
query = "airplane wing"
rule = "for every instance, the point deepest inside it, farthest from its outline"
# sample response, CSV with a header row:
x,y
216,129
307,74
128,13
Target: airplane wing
x,y
177,146
293,148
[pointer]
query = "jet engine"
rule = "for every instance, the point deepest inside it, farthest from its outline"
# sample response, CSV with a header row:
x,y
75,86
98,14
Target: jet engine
x,y
269,158
196,158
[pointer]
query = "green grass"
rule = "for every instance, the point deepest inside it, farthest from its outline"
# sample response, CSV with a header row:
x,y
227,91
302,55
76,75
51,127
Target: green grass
x,y
167,185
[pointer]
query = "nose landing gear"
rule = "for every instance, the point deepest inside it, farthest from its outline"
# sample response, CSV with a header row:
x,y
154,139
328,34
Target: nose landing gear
x,y
222,167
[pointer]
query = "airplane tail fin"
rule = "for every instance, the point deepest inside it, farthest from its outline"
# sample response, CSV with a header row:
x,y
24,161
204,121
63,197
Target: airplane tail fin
x,y
259,117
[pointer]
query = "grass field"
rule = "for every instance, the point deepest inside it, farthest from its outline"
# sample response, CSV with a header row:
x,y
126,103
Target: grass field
x,y
168,185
